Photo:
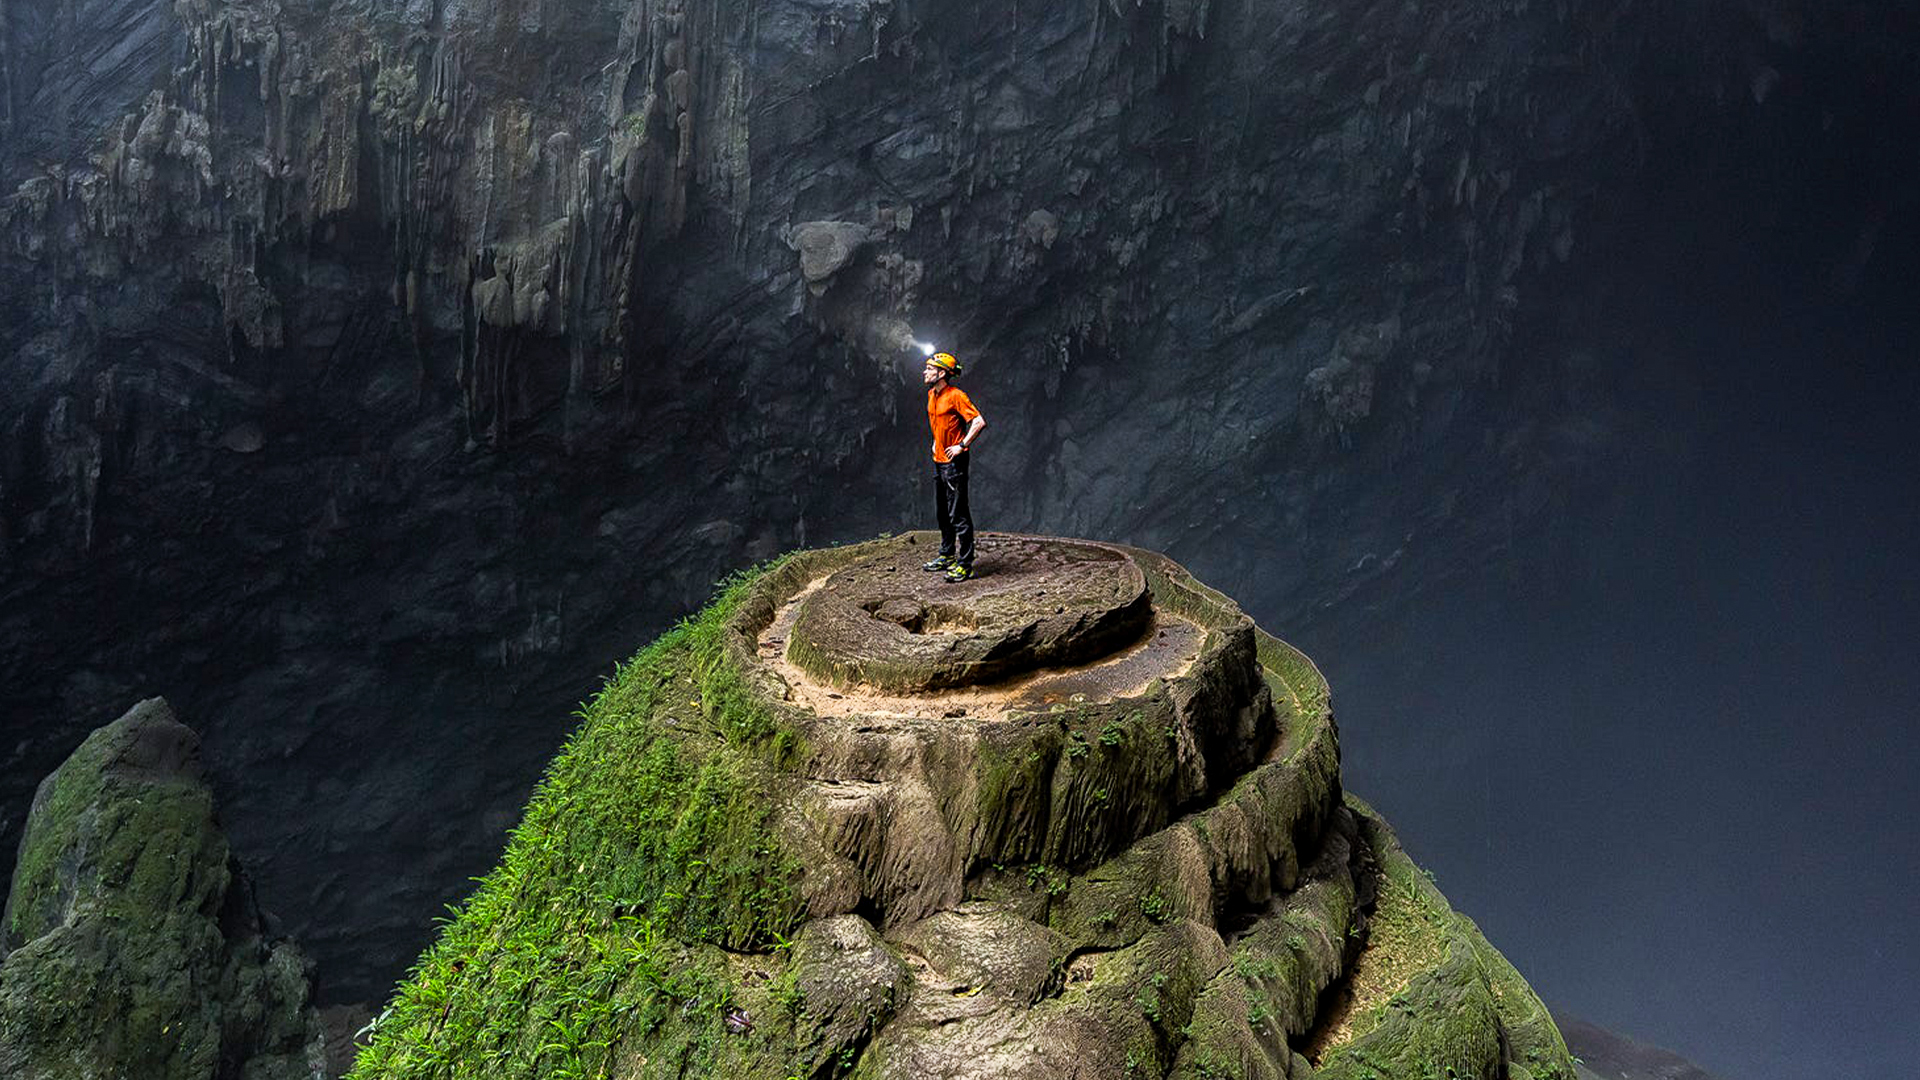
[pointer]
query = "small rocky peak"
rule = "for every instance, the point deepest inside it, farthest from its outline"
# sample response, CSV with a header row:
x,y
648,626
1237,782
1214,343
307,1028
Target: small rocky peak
x,y
1074,817
134,947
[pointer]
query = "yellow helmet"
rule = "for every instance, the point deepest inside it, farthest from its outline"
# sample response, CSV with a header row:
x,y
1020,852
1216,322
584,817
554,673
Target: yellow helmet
x,y
945,362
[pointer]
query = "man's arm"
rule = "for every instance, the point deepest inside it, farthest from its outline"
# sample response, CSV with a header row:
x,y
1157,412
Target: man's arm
x,y
974,428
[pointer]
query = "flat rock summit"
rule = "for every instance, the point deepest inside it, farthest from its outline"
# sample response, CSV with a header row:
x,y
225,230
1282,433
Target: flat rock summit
x,y
1047,604
1077,817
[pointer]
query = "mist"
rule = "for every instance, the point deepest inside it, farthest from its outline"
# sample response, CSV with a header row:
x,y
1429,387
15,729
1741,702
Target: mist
x,y
1662,744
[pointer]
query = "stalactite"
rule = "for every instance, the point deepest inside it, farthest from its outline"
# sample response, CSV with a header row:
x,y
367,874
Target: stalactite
x,y
6,71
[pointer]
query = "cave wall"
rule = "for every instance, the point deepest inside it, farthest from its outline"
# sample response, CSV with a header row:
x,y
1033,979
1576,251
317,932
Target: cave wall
x,y
377,374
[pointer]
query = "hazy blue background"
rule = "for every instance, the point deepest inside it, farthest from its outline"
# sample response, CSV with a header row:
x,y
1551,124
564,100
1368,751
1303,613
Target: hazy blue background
x,y
1668,761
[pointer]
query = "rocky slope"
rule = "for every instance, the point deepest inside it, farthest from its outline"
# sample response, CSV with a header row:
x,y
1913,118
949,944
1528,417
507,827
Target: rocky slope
x,y
806,834
132,946
371,366
1600,1054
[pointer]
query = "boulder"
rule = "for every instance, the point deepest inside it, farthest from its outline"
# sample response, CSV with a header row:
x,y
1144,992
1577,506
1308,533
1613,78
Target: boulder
x,y
134,948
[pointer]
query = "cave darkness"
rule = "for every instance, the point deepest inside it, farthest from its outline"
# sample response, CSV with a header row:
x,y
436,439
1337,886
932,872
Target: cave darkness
x,y
1658,738
1663,747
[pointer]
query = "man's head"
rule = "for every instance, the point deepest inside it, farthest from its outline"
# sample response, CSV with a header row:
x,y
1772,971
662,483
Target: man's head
x,y
939,366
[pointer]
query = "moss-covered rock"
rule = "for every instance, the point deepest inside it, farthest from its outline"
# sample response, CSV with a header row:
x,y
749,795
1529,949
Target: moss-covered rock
x,y
133,946
1140,863
1430,996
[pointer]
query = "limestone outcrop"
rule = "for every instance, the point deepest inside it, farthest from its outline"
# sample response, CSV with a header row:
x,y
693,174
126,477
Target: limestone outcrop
x,y
787,844
132,947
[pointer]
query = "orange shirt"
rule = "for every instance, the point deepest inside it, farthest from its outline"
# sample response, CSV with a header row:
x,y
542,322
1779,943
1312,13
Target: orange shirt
x,y
949,411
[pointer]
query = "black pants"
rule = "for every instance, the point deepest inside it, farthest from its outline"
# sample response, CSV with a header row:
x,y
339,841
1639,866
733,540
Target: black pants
x,y
950,502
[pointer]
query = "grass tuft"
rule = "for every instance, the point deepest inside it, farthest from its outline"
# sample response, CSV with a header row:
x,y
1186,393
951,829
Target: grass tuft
x,y
594,948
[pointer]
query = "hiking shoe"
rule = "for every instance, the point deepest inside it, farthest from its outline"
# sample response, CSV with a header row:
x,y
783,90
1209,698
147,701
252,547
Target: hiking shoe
x,y
941,563
959,572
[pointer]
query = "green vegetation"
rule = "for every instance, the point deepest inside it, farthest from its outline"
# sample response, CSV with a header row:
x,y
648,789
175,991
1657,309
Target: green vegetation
x,y
134,863
1410,936
639,923
145,844
596,945
1077,745
1148,996
132,955
34,910
1044,879
1429,995
1156,907
1306,693
1224,1040
1015,770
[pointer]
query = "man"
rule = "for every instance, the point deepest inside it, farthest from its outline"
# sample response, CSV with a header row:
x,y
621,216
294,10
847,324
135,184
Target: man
x,y
956,423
